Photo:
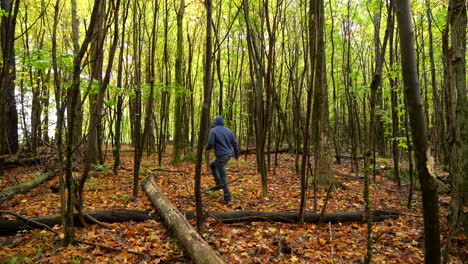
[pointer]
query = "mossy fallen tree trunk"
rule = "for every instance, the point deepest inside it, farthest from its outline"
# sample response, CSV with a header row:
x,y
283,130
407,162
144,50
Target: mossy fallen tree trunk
x,y
196,247
8,227
286,217
12,162
8,193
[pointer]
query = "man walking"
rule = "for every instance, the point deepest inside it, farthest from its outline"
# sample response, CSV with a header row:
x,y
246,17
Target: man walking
x,y
222,140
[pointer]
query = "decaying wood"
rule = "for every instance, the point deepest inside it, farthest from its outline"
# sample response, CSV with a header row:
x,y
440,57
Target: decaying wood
x,y
32,222
8,193
25,161
291,150
8,227
196,247
253,150
255,216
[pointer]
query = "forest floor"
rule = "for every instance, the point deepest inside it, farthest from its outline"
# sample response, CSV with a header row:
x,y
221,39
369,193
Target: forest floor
x,y
397,240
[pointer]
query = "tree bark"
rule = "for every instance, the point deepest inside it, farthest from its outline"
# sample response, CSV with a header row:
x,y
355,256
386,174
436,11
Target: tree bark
x,y
196,247
8,112
120,96
419,132
137,44
8,193
73,94
8,227
180,88
12,162
458,127
288,217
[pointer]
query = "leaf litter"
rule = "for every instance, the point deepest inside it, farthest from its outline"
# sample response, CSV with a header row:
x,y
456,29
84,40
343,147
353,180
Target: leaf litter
x,y
397,240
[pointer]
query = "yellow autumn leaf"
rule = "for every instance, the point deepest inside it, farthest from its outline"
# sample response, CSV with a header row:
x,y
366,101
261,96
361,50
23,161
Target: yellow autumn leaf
x,y
322,241
294,259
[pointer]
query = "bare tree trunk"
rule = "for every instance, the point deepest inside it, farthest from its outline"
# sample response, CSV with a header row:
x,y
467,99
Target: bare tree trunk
x,y
8,112
97,61
76,48
147,130
205,112
179,91
438,124
97,114
458,127
137,42
394,98
165,94
419,131
120,96
73,97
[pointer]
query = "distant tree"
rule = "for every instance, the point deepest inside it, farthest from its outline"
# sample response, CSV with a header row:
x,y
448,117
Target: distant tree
x,y
179,95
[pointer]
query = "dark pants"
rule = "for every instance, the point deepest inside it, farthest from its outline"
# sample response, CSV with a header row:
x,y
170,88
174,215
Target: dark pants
x,y
218,169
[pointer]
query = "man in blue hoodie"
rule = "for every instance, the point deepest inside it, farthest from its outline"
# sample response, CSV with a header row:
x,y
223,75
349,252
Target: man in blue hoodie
x,y
222,140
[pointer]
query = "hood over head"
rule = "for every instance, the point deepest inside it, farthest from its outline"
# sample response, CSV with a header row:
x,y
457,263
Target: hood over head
x,y
217,121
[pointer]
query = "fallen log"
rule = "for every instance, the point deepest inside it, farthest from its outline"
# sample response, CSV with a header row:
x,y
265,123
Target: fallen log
x,y
196,247
25,161
8,227
292,150
272,151
41,225
287,217
8,193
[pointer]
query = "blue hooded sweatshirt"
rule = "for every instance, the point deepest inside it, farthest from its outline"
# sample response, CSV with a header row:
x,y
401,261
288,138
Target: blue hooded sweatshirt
x,y
221,139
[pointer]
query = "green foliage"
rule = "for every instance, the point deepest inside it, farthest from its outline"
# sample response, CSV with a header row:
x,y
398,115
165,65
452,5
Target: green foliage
x,y
16,259
100,167
93,184
190,157
94,89
65,61
402,142
3,13
180,90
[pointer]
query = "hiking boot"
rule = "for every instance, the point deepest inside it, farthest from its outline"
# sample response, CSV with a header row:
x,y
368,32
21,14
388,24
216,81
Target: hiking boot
x,y
223,201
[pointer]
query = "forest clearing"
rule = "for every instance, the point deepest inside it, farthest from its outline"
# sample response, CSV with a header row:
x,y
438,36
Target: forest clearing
x,y
243,131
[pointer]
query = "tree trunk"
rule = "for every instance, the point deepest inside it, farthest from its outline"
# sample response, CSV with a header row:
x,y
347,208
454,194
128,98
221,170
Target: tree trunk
x,y
438,124
120,96
179,91
75,23
165,94
96,115
292,217
73,97
12,162
96,61
10,227
205,111
8,193
419,131
137,42
196,247
332,75
458,127
320,113
8,112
